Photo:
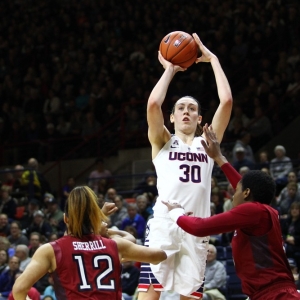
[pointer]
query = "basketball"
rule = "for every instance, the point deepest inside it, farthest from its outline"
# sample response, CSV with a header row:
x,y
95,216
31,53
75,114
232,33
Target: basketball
x,y
179,48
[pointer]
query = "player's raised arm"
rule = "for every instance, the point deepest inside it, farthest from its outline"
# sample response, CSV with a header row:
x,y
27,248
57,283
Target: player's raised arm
x,y
157,132
223,113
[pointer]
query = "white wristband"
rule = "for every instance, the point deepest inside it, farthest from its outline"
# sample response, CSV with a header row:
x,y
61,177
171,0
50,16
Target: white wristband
x,y
175,213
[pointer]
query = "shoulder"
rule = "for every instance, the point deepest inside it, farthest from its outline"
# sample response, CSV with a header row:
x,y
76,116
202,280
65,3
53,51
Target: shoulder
x,y
251,207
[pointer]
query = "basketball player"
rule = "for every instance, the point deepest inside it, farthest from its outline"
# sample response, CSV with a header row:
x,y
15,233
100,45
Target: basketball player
x,y
257,245
184,173
83,264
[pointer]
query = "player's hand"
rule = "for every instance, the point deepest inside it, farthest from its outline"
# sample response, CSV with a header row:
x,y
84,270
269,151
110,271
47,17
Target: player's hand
x,y
211,146
109,208
206,54
167,64
171,205
175,205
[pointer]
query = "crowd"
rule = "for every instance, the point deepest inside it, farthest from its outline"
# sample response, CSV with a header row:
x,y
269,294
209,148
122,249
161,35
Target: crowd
x,y
41,218
74,70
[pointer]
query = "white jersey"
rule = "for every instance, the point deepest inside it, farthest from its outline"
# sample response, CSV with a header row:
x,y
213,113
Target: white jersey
x,y
184,176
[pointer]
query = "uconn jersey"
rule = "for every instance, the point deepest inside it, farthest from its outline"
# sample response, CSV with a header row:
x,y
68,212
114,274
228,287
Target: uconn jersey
x,y
184,176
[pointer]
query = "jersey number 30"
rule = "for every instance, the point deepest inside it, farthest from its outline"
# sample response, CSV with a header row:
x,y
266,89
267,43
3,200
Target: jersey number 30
x,y
191,173
85,285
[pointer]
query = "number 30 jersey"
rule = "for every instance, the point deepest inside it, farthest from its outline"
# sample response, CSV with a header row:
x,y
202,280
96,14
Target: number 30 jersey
x,y
87,268
183,176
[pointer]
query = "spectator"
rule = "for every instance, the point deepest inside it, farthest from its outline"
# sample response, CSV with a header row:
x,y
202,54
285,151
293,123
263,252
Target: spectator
x,y
48,148
110,195
22,252
244,170
34,243
8,180
4,225
130,279
40,225
49,290
17,188
243,141
280,167
16,236
148,185
46,197
90,127
53,237
263,160
8,205
135,220
82,99
217,197
32,206
63,127
44,184
100,174
291,232
7,277
54,214
67,188
228,198
143,207
238,115
76,123
241,160
215,276
285,203
4,244
3,260
260,128
120,214
295,272
284,192
51,104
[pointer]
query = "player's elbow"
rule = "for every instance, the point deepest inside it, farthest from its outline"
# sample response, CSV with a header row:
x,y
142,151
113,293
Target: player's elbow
x,y
159,258
20,289
228,100
153,104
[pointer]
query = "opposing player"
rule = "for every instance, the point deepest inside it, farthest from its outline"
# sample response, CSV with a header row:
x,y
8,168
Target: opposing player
x,y
184,172
257,244
83,264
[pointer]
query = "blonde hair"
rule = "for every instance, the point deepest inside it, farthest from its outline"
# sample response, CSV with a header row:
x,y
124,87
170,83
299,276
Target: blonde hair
x,y
83,212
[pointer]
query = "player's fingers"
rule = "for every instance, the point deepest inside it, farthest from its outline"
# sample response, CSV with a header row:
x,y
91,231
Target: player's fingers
x,y
199,59
204,145
196,38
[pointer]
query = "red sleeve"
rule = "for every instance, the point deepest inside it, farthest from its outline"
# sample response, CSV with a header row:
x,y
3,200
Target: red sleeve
x,y
245,216
232,175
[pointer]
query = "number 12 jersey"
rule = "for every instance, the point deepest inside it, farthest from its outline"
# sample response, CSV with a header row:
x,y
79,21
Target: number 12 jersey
x,y
87,268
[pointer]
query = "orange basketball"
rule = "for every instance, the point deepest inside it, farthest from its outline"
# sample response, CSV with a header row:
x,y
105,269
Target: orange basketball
x,y
179,48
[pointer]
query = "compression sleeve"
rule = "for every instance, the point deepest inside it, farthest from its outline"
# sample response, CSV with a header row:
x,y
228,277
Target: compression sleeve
x,y
232,175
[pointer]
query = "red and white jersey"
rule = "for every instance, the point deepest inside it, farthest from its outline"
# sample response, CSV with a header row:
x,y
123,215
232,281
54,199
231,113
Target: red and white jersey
x,y
87,268
184,176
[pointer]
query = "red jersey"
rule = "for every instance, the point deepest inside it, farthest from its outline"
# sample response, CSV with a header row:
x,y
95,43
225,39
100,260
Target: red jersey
x,y
257,244
260,261
87,268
